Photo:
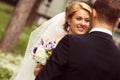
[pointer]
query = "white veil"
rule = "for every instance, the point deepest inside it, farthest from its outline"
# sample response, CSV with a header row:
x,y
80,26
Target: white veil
x,y
49,30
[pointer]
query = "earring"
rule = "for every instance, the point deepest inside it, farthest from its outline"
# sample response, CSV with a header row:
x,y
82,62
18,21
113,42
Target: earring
x,y
68,29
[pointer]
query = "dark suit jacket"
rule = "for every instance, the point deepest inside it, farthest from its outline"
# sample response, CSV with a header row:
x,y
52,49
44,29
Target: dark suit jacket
x,y
92,56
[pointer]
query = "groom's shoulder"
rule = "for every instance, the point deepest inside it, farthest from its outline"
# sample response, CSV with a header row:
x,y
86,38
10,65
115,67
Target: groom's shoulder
x,y
76,37
79,36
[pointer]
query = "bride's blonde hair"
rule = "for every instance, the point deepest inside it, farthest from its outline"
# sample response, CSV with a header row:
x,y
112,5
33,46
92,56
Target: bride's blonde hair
x,y
74,7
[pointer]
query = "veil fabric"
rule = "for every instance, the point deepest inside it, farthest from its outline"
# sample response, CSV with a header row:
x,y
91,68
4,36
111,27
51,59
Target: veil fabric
x,y
51,29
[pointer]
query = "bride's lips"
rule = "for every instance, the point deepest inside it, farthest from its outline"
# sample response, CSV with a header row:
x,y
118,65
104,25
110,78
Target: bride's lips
x,y
81,28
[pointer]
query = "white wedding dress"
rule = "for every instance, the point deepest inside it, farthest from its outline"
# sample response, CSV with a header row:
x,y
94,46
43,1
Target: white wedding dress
x,y
51,29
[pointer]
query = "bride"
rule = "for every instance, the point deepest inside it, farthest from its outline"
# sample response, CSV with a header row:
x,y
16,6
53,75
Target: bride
x,y
76,20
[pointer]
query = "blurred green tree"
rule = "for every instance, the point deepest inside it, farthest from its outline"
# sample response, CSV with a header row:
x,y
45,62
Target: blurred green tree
x,y
16,24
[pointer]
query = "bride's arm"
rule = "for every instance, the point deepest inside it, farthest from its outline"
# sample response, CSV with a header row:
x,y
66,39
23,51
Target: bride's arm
x,y
37,69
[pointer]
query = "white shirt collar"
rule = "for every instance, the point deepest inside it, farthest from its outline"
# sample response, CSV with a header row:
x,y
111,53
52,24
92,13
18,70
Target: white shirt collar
x,y
101,30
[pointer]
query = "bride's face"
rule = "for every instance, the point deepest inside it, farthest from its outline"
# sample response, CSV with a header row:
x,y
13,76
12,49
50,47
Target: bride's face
x,y
79,22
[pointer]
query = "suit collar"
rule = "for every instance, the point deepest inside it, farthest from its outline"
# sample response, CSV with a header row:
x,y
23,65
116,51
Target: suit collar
x,y
102,35
101,30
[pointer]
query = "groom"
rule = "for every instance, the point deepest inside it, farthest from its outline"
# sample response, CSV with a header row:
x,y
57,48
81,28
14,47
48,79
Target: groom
x,y
92,56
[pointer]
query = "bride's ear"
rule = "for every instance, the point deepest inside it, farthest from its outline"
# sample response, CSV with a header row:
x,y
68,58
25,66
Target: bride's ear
x,y
69,21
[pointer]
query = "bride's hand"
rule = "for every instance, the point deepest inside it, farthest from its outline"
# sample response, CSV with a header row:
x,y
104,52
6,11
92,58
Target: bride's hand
x,y
37,69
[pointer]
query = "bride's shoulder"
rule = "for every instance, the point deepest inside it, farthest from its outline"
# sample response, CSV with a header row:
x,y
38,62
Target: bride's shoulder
x,y
59,38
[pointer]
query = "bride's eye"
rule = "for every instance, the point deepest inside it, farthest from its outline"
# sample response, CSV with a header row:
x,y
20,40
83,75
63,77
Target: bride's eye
x,y
79,18
87,20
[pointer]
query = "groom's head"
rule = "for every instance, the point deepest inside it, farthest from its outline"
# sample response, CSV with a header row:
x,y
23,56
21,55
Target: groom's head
x,y
107,11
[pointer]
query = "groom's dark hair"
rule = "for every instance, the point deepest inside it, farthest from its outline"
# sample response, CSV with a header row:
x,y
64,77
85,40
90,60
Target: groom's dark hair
x,y
107,10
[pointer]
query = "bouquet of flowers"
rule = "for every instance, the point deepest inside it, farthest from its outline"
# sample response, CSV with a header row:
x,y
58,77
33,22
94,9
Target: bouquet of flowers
x,y
42,52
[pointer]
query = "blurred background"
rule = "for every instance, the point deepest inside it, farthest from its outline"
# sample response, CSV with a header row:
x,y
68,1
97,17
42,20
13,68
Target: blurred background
x,y
18,18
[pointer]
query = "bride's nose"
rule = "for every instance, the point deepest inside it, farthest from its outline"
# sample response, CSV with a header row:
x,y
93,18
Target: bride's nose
x,y
82,22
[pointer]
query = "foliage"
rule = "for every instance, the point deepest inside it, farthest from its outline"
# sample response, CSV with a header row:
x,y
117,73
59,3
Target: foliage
x,y
23,41
5,73
116,36
5,14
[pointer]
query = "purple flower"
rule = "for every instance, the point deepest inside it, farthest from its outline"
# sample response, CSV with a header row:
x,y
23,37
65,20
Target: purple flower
x,y
42,42
34,50
49,45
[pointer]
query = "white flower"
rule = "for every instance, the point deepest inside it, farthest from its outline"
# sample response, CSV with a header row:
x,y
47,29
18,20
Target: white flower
x,y
40,55
42,52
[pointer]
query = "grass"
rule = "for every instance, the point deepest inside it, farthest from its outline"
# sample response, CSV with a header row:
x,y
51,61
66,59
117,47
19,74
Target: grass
x,y
7,73
9,63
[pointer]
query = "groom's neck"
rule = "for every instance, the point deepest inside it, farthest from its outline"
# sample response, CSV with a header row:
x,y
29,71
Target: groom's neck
x,y
102,25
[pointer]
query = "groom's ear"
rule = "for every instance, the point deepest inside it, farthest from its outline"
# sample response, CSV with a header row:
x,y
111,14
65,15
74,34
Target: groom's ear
x,y
117,22
94,13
